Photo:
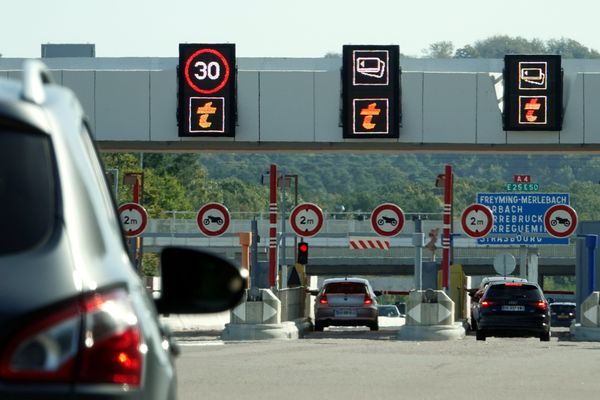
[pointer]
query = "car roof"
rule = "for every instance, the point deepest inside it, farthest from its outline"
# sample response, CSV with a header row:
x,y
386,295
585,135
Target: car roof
x,y
355,280
524,283
490,279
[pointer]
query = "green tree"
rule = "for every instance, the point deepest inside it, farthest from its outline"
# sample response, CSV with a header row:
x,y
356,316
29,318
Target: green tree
x,y
466,52
442,49
570,48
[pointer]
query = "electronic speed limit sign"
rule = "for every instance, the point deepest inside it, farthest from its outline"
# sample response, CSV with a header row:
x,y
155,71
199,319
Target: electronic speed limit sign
x,y
134,219
206,104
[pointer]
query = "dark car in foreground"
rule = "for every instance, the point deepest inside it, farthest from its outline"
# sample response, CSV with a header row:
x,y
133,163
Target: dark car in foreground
x,y
477,293
75,319
562,313
346,302
513,309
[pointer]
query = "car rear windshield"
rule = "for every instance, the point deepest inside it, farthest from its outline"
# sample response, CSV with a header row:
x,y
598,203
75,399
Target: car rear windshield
x,y
346,287
513,291
562,308
26,190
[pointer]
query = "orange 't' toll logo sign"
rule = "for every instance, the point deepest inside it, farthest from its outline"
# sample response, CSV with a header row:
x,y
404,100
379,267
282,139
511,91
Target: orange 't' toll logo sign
x,y
532,110
206,114
369,112
371,116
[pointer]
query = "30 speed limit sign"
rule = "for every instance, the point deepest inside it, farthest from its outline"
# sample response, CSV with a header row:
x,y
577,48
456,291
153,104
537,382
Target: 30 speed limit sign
x,y
206,105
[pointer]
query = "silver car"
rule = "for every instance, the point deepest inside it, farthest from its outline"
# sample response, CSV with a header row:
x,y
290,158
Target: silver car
x,y
75,319
346,302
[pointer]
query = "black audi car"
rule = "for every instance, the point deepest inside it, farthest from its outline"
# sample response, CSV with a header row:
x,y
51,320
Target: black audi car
x,y
513,309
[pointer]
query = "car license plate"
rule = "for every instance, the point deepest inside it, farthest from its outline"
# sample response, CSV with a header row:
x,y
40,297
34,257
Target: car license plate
x,y
513,308
563,317
345,312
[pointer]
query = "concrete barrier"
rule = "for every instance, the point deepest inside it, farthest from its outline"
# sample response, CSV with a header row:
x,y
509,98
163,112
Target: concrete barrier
x,y
430,316
260,317
589,328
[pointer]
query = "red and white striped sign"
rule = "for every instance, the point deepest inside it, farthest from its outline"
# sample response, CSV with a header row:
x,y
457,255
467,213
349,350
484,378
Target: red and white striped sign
x,y
362,243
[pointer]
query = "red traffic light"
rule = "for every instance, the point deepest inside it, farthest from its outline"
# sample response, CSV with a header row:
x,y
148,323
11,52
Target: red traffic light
x,y
302,253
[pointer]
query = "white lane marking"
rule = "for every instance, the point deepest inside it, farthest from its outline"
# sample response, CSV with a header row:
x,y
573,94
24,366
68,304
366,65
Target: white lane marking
x,y
202,343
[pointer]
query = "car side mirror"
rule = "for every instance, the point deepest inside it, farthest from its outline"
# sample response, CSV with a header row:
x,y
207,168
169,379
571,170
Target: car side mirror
x,y
378,292
195,281
472,292
313,292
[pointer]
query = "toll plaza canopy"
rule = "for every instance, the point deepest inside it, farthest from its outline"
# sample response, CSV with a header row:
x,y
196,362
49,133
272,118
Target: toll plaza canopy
x,y
335,103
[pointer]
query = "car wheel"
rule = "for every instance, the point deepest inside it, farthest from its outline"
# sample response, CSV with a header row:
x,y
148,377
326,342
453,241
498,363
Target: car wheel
x,y
318,327
545,337
480,335
374,326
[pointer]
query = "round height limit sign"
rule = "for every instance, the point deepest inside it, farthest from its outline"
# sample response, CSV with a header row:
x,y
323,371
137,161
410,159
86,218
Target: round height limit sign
x,y
134,219
477,220
306,219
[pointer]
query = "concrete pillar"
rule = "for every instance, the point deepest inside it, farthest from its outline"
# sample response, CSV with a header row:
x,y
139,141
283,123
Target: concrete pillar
x,y
532,266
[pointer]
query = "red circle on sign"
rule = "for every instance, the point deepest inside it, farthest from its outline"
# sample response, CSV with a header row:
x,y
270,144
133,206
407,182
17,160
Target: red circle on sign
x,y
378,220
485,229
553,221
308,207
225,75
143,218
205,220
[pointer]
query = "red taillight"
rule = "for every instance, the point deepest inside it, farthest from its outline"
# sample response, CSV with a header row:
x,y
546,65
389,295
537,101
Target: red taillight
x,y
513,284
542,305
485,303
323,299
100,335
368,300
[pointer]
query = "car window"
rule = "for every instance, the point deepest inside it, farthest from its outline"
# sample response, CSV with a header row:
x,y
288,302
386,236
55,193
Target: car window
x,y
562,308
528,292
390,311
345,287
27,190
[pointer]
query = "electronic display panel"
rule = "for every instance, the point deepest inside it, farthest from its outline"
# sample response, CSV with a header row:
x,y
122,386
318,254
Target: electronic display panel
x,y
371,91
206,96
533,87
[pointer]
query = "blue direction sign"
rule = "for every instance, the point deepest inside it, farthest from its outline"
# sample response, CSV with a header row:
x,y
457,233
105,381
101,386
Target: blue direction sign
x,y
519,217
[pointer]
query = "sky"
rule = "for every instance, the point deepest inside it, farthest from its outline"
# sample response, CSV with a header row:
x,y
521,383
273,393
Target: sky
x,y
279,28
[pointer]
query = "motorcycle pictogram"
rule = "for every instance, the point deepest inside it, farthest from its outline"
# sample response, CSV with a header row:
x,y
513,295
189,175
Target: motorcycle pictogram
x,y
210,219
387,220
559,220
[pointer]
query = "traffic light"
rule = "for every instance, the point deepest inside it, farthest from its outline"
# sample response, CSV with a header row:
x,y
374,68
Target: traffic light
x,y
302,253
